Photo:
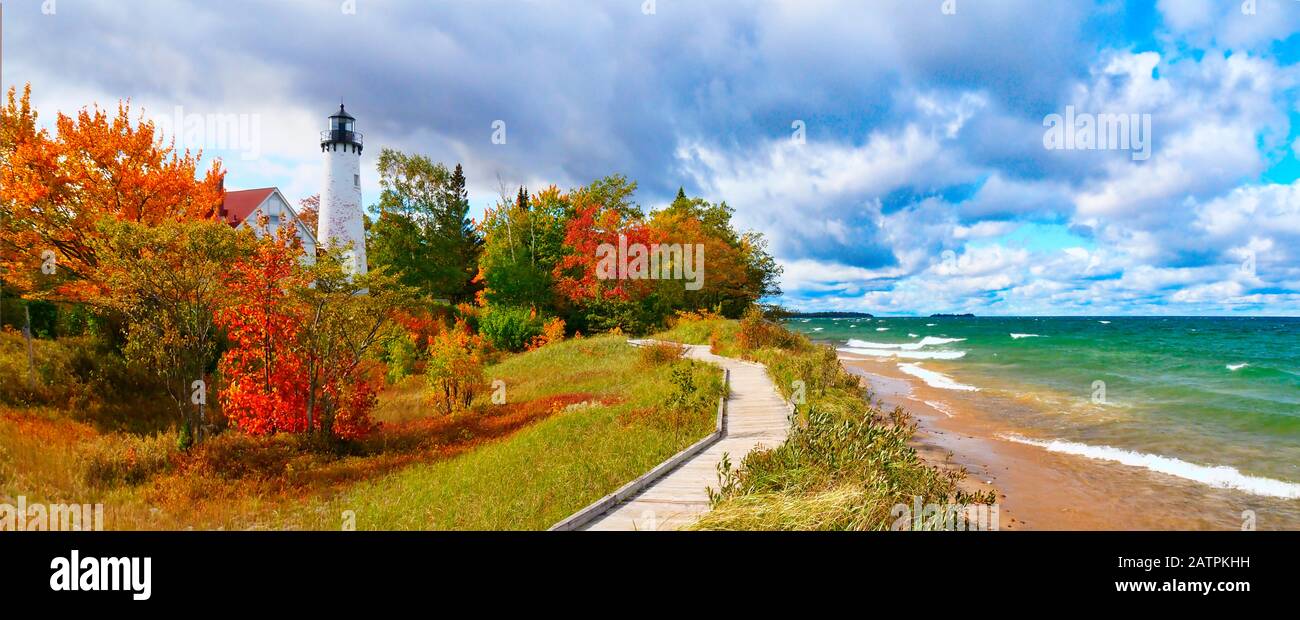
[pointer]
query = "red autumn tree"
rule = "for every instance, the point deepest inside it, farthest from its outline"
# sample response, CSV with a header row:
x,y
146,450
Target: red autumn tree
x,y
301,341
584,275
263,370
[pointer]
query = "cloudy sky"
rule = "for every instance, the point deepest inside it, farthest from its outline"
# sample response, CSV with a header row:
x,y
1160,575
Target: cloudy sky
x,y
893,151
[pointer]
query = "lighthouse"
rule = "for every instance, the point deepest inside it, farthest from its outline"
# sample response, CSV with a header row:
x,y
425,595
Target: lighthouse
x,y
341,217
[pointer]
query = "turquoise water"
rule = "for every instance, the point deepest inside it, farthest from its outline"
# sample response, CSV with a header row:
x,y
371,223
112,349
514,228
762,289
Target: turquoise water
x,y
1188,396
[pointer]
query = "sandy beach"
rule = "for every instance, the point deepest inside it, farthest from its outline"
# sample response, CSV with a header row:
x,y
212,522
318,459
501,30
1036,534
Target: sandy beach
x,y
1043,490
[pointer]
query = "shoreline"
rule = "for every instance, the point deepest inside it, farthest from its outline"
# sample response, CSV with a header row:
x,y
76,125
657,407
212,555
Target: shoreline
x,y
1038,489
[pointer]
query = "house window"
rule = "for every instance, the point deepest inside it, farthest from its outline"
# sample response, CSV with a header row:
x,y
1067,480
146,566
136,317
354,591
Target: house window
x,y
356,180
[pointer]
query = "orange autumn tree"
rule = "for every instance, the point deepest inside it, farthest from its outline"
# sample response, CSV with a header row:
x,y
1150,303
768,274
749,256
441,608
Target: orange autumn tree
x,y
97,164
739,273
455,368
309,211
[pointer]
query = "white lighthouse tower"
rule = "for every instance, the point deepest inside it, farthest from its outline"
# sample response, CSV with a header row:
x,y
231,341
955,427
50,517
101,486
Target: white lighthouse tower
x,y
341,217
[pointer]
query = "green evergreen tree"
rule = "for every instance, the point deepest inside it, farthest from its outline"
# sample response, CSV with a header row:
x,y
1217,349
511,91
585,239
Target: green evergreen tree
x,y
423,234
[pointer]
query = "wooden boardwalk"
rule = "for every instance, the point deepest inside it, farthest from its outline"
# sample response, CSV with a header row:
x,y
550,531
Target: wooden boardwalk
x,y
757,415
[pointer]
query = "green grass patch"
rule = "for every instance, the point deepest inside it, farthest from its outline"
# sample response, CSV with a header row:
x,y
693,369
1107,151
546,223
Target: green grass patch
x,y
613,416
720,334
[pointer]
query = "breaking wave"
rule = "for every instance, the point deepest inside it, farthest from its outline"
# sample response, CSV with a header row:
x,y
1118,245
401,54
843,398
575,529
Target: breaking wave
x,y
1219,476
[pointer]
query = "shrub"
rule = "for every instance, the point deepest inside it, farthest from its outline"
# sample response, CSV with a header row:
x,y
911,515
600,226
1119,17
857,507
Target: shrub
x,y
659,353
357,397
509,328
818,367
552,331
119,459
422,324
693,316
696,387
455,369
605,315
756,332
86,377
115,395
234,456
53,382
469,313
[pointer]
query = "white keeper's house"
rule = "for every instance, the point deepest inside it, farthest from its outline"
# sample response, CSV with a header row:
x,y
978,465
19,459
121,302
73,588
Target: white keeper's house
x,y
243,209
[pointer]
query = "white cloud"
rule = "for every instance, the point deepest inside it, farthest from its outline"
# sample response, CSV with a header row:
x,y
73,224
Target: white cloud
x,y
1233,24
1216,292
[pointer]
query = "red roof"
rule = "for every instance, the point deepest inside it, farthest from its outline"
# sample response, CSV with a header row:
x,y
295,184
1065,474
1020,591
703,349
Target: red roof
x,y
237,206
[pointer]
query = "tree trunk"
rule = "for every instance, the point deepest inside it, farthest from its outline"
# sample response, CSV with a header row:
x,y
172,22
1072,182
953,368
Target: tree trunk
x,y
203,402
31,358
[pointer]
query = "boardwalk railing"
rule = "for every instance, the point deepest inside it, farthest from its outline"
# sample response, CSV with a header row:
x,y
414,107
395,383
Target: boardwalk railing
x,y
578,519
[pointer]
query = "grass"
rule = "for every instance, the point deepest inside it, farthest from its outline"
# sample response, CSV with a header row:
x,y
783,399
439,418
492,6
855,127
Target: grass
x,y
39,450
614,427
581,418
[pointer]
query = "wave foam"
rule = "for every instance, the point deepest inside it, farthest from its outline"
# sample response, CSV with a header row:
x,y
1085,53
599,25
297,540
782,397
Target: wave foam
x,y
1236,367
904,354
1220,476
1019,336
940,407
928,341
935,379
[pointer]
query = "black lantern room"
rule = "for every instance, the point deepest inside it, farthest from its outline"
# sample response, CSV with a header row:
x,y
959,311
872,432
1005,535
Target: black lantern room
x,y
342,133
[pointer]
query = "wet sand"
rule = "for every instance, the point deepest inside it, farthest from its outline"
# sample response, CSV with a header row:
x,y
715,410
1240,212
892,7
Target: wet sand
x,y
1042,490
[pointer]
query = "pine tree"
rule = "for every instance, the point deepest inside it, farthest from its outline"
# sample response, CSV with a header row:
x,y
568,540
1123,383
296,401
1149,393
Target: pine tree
x,y
460,236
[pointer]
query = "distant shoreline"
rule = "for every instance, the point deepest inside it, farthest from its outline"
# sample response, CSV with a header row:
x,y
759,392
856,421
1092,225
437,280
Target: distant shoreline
x,y
829,315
